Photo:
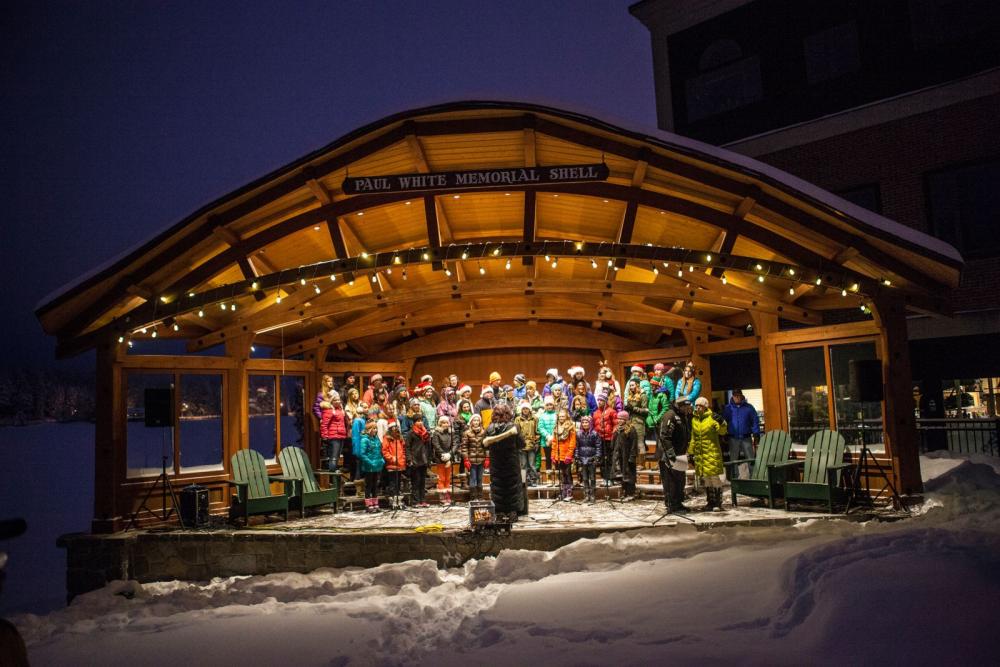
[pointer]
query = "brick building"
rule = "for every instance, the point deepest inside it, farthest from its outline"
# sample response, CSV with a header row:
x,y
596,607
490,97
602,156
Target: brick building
x,y
894,105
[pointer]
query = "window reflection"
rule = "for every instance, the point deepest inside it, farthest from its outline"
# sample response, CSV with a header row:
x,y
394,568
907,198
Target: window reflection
x,y
806,392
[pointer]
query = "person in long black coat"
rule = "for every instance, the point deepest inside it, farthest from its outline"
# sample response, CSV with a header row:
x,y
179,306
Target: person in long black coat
x,y
508,492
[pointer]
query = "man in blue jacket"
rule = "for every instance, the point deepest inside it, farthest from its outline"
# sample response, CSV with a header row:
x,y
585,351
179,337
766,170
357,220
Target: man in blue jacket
x,y
744,429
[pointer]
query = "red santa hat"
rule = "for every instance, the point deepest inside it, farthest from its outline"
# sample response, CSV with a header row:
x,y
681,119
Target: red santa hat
x,y
659,367
464,388
572,372
637,369
422,387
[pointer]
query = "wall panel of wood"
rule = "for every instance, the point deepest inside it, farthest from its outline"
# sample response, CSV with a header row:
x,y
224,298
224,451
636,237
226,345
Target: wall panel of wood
x,y
474,368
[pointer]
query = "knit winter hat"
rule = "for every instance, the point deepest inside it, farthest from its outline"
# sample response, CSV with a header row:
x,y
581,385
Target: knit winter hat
x,y
574,370
554,372
702,401
376,378
519,378
659,367
464,388
549,400
602,396
494,377
622,414
531,384
637,369
487,390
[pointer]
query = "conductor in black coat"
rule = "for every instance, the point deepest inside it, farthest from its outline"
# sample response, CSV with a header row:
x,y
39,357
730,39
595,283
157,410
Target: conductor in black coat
x,y
507,491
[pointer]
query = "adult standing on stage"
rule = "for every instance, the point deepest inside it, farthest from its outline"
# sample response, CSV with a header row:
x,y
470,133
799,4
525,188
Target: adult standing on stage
x,y
505,443
671,452
444,445
744,429
418,457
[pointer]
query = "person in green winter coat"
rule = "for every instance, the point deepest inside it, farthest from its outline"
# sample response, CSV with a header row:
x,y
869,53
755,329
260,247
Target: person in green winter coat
x,y
658,405
706,427
546,427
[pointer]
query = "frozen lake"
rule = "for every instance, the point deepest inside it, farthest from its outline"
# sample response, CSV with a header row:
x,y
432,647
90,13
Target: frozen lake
x,y
47,477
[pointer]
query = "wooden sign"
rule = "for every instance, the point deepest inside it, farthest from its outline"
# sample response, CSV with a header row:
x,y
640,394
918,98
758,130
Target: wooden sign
x,y
476,178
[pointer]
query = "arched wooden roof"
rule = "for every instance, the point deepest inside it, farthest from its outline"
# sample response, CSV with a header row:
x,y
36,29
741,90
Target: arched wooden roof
x,y
681,236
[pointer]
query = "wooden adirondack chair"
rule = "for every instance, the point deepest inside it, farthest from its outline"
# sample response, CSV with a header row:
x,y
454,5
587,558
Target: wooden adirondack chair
x,y
253,487
295,464
821,473
764,480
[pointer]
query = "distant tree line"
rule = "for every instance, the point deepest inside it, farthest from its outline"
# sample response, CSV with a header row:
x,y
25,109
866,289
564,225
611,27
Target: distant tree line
x,y
30,395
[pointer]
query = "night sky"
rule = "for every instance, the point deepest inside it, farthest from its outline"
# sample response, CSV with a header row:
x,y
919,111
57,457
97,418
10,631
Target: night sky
x,y
120,118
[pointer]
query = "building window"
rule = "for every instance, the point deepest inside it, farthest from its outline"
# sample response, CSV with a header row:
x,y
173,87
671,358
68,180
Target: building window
x,y
964,207
276,411
200,423
935,23
832,53
817,394
728,81
865,196
192,440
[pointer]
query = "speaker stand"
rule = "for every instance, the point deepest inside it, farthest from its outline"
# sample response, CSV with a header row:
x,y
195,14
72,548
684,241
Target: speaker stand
x,y
164,483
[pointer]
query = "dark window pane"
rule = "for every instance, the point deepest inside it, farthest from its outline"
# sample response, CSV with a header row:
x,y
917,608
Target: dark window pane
x,y
723,89
965,207
832,52
146,447
935,23
200,422
865,196
292,414
856,421
806,392
263,425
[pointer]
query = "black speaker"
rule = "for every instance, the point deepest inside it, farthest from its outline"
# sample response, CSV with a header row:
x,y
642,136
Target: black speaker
x,y
159,407
866,380
194,506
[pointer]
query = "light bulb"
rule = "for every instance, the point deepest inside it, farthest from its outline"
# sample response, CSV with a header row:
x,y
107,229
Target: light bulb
x,y
222,306
253,285
154,333
819,281
253,348
854,287
447,272
666,265
887,282
555,263
121,339
350,282
316,289
708,259
465,255
130,343
482,271
388,272
496,251
548,259
163,299
610,262
201,313
374,277
277,299
364,255
843,292
177,327
791,291
302,281
143,330
191,294
680,273
507,265
724,281
759,267
656,271
425,256
333,276
232,307
691,269
791,272
760,279
593,263
396,259
615,268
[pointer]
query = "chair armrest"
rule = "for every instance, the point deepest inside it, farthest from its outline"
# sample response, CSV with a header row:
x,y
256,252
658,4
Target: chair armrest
x,y
328,473
241,489
234,482
282,478
841,466
739,461
787,464
833,470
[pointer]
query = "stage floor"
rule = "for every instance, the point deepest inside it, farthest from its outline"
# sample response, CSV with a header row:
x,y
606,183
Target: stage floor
x,y
543,513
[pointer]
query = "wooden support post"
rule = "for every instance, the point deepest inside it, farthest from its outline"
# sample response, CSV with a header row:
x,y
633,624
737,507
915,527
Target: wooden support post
x,y
764,326
109,442
901,441
236,408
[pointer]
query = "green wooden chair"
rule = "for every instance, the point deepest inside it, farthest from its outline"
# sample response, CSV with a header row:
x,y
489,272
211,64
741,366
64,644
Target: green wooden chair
x,y
253,487
821,472
773,448
295,465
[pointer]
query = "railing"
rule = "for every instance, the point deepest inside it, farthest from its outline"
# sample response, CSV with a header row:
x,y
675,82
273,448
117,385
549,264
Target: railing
x,y
967,436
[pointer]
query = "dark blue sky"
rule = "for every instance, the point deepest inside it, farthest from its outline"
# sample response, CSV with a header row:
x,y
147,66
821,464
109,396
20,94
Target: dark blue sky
x,y
119,118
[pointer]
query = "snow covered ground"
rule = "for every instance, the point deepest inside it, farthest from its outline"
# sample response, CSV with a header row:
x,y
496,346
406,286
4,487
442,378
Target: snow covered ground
x,y
921,591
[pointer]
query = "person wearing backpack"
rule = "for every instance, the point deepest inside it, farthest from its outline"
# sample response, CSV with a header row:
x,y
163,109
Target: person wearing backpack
x,y
672,442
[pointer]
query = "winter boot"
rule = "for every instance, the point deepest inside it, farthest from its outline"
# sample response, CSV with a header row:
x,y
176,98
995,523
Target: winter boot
x,y
716,499
446,498
568,492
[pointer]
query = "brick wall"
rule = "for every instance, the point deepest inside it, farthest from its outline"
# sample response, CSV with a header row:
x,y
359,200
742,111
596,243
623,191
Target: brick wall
x,y
896,155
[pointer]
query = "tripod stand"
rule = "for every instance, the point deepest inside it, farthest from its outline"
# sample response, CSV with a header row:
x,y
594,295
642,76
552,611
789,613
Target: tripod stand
x,y
164,482
866,497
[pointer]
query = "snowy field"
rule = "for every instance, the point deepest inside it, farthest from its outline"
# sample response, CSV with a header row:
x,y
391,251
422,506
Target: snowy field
x,y
921,591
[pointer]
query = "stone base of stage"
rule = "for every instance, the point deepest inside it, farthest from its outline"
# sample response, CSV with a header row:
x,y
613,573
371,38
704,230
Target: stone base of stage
x,y
358,539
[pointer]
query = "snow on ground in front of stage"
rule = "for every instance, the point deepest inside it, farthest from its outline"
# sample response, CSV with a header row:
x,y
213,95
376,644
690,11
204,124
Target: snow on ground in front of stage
x,y
919,591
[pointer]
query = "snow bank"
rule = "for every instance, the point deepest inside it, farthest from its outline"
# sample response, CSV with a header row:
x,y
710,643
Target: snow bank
x,y
919,591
